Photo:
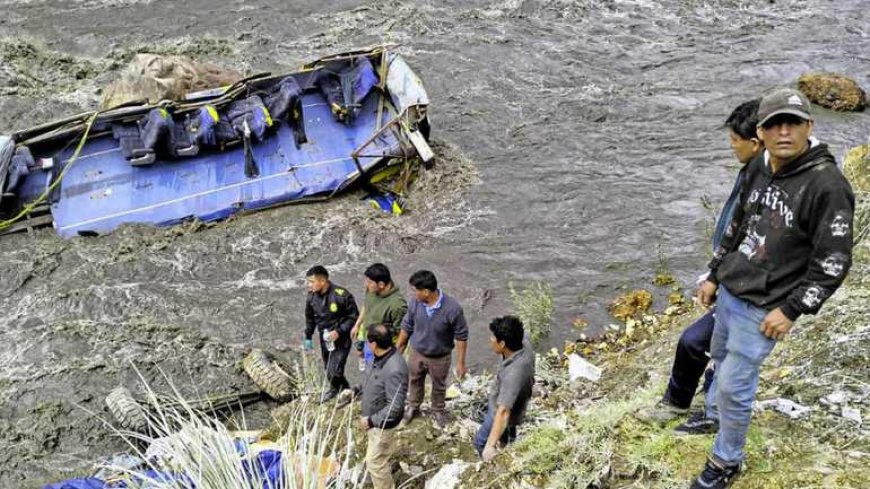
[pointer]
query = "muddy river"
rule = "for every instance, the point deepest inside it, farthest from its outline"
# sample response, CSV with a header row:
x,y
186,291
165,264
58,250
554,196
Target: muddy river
x,y
577,141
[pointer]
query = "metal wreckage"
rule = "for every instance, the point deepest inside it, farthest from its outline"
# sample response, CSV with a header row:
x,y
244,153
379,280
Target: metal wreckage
x,y
349,119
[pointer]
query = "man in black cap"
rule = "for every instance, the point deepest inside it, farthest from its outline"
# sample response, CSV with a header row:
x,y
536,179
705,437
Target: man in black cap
x,y
332,311
794,219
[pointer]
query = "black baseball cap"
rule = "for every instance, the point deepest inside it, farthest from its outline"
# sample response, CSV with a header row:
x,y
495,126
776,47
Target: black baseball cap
x,y
783,101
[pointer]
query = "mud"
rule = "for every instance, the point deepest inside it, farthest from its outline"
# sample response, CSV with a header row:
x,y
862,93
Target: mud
x,y
578,139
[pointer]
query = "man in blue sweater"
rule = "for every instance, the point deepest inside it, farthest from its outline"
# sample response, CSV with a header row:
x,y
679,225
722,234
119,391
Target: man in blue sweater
x,y
434,324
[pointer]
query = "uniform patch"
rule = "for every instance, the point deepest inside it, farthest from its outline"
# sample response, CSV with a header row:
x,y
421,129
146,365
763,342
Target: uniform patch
x,y
339,291
333,307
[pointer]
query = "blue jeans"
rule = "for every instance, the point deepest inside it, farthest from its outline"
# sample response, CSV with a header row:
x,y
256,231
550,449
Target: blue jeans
x,y
738,349
482,435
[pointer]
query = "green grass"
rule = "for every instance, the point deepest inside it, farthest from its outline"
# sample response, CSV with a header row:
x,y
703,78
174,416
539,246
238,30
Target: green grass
x,y
534,305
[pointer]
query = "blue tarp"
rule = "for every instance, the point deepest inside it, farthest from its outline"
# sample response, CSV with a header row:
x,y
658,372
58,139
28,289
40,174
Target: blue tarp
x,y
265,467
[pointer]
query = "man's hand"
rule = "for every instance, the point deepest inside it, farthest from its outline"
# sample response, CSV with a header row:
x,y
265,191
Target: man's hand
x,y
363,423
488,453
776,325
460,371
706,293
332,335
307,344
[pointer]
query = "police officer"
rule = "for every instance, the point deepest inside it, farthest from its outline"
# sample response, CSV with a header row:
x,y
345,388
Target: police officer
x,y
332,311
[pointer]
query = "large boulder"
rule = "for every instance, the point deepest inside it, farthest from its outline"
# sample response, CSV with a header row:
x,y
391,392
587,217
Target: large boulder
x,y
833,91
155,77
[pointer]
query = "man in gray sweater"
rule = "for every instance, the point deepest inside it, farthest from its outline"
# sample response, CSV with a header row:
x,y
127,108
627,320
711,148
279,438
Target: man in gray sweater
x,y
383,399
434,324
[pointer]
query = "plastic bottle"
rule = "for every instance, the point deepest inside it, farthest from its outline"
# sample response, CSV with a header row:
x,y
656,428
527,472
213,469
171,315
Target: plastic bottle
x,y
330,345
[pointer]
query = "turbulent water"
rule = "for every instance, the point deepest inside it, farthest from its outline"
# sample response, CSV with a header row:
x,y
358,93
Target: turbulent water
x,y
576,141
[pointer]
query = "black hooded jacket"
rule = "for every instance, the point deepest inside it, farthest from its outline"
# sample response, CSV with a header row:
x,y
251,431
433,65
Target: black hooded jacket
x,y
789,244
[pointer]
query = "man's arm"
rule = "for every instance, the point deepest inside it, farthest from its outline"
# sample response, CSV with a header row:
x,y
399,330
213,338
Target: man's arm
x,y
407,324
309,319
402,342
397,317
460,335
831,256
733,232
351,314
499,424
356,325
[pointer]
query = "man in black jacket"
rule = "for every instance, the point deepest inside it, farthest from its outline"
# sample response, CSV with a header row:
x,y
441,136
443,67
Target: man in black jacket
x,y
383,403
788,248
332,311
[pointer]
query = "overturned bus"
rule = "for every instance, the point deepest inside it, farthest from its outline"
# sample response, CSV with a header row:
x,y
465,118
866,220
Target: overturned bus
x,y
263,141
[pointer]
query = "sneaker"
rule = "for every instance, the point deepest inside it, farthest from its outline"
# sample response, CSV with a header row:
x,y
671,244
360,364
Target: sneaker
x,y
328,395
698,424
716,476
441,418
410,414
660,413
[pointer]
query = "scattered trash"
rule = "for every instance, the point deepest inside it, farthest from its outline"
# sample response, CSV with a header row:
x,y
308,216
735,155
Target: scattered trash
x,y
852,414
453,391
448,476
788,407
578,367
834,398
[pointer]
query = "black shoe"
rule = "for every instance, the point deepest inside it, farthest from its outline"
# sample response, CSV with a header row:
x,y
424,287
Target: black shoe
x,y
716,476
698,424
328,395
410,414
441,419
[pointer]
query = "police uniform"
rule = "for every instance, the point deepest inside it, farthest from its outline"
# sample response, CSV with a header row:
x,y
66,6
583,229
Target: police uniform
x,y
335,310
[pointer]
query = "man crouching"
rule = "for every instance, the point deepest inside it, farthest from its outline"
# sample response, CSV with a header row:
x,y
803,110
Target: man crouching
x,y
383,404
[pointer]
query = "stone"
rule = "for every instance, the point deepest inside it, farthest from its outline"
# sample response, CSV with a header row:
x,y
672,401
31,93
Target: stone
x,y
833,91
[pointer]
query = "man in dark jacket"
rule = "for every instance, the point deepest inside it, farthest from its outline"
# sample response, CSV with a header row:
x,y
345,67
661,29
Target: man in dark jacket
x,y
383,400
786,251
332,311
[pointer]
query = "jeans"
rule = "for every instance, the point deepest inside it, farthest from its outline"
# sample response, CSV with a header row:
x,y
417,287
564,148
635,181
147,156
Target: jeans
x,y
738,349
482,435
690,361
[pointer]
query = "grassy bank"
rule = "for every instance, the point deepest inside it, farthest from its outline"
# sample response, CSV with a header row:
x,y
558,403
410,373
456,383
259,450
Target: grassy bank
x,y
587,436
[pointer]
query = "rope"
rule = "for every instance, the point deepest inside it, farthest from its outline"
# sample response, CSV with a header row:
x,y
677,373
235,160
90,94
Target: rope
x,y
29,207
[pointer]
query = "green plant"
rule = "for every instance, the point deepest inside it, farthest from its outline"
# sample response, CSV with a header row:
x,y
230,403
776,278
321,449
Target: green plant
x,y
534,305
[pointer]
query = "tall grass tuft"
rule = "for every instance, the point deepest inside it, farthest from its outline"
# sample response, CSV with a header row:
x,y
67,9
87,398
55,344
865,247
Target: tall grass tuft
x,y
194,445
535,306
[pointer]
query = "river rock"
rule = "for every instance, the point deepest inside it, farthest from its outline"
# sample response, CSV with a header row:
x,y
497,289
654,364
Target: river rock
x,y
833,91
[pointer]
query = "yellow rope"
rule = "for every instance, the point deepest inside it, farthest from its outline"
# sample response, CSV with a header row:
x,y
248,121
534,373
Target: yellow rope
x,y
29,207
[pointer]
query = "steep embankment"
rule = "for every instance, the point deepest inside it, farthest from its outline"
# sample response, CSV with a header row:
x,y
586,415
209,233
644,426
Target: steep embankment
x,y
587,436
